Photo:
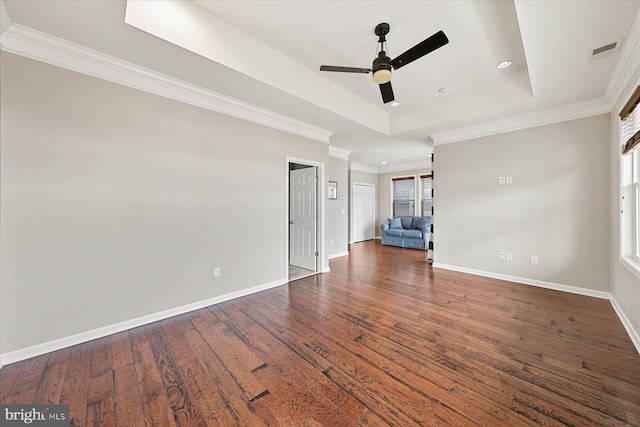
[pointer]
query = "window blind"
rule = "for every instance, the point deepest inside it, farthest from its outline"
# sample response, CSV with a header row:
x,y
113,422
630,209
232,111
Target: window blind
x,y
427,199
404,196
630,126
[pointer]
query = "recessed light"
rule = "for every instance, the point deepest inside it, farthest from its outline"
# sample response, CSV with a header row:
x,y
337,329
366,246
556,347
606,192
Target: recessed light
x,y
444,89
383,163
504,64
395,103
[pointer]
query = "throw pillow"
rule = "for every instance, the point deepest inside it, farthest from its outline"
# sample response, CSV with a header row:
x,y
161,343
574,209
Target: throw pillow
x,y
395,223
415,221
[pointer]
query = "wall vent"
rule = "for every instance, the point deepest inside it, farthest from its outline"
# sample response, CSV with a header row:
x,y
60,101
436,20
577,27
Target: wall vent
x,y
606,50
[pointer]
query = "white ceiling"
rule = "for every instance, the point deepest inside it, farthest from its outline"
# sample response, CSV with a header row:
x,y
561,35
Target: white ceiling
x,y
268,53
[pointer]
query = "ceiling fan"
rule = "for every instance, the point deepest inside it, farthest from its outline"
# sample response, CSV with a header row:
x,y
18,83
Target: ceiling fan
x,y
382,65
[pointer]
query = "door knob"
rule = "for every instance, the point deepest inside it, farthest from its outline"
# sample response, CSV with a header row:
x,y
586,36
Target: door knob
x,y
291,222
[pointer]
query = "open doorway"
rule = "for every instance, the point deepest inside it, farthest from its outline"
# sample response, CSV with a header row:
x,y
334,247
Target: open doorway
x,y
303,220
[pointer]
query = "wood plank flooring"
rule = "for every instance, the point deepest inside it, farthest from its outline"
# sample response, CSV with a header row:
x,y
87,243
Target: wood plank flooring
x,y
383,339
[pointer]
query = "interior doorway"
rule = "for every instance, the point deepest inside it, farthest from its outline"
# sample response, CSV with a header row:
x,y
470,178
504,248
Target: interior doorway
x,y
303,220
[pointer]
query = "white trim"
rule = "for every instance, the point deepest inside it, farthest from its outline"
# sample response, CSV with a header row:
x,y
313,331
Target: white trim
x,y
339,153
629,264
339,254
526,281
38,349
363,168
403,167
626,65
562,113
633,334
43,47
422,165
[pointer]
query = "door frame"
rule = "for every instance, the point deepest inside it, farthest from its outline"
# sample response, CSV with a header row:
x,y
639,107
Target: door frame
x,y
322,265
375,210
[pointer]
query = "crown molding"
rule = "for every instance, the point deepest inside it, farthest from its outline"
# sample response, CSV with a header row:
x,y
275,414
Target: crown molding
x,y
563,113
44,47
359,167
424,165
627,64
339,153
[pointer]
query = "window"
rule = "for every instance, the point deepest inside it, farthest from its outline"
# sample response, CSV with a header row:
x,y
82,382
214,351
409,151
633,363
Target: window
x,y
630,181
407,199
427,196
635,185
403,196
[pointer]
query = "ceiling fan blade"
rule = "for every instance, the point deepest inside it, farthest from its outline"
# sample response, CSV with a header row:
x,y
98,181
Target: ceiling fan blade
x,y
345,69
387,92
428,45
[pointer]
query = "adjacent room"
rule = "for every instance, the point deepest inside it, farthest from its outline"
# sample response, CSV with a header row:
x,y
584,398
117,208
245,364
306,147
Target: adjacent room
x,y
320,213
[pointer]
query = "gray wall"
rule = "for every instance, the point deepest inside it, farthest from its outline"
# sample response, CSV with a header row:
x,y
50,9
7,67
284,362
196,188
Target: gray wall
x,y
556,208
337,239
116,204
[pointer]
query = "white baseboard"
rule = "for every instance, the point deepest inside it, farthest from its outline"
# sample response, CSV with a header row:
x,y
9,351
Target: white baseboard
x,y
338,255
47,347
526,281
633,334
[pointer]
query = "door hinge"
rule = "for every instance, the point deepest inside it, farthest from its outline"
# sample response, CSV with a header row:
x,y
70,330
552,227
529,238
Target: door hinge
x,y
317,254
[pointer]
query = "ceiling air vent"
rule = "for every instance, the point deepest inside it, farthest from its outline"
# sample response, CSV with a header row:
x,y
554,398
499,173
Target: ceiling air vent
x,y
606,50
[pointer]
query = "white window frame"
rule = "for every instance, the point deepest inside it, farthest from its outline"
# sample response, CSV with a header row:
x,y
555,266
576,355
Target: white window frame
x,y
630,206
415,192
417,182
421,186
635,189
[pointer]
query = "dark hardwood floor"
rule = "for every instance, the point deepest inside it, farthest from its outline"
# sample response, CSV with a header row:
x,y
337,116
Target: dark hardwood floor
x,y
384,339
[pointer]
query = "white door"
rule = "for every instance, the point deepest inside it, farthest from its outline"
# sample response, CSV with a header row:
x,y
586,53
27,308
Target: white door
x,y
362,221
369,216
358,213
302,218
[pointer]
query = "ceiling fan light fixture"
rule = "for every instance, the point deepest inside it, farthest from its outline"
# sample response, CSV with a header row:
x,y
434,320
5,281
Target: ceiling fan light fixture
x,y
382,76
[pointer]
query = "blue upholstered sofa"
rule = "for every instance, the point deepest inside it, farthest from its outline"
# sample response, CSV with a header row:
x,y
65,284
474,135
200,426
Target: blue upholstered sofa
x,y
407,232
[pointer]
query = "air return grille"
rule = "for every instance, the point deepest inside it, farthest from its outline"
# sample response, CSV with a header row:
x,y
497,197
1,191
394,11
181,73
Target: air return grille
x,y
606,50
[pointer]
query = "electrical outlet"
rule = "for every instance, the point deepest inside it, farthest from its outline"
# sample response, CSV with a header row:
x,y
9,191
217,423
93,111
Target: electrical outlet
x,y
534,259
216,272
502,255
509,256
501,180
